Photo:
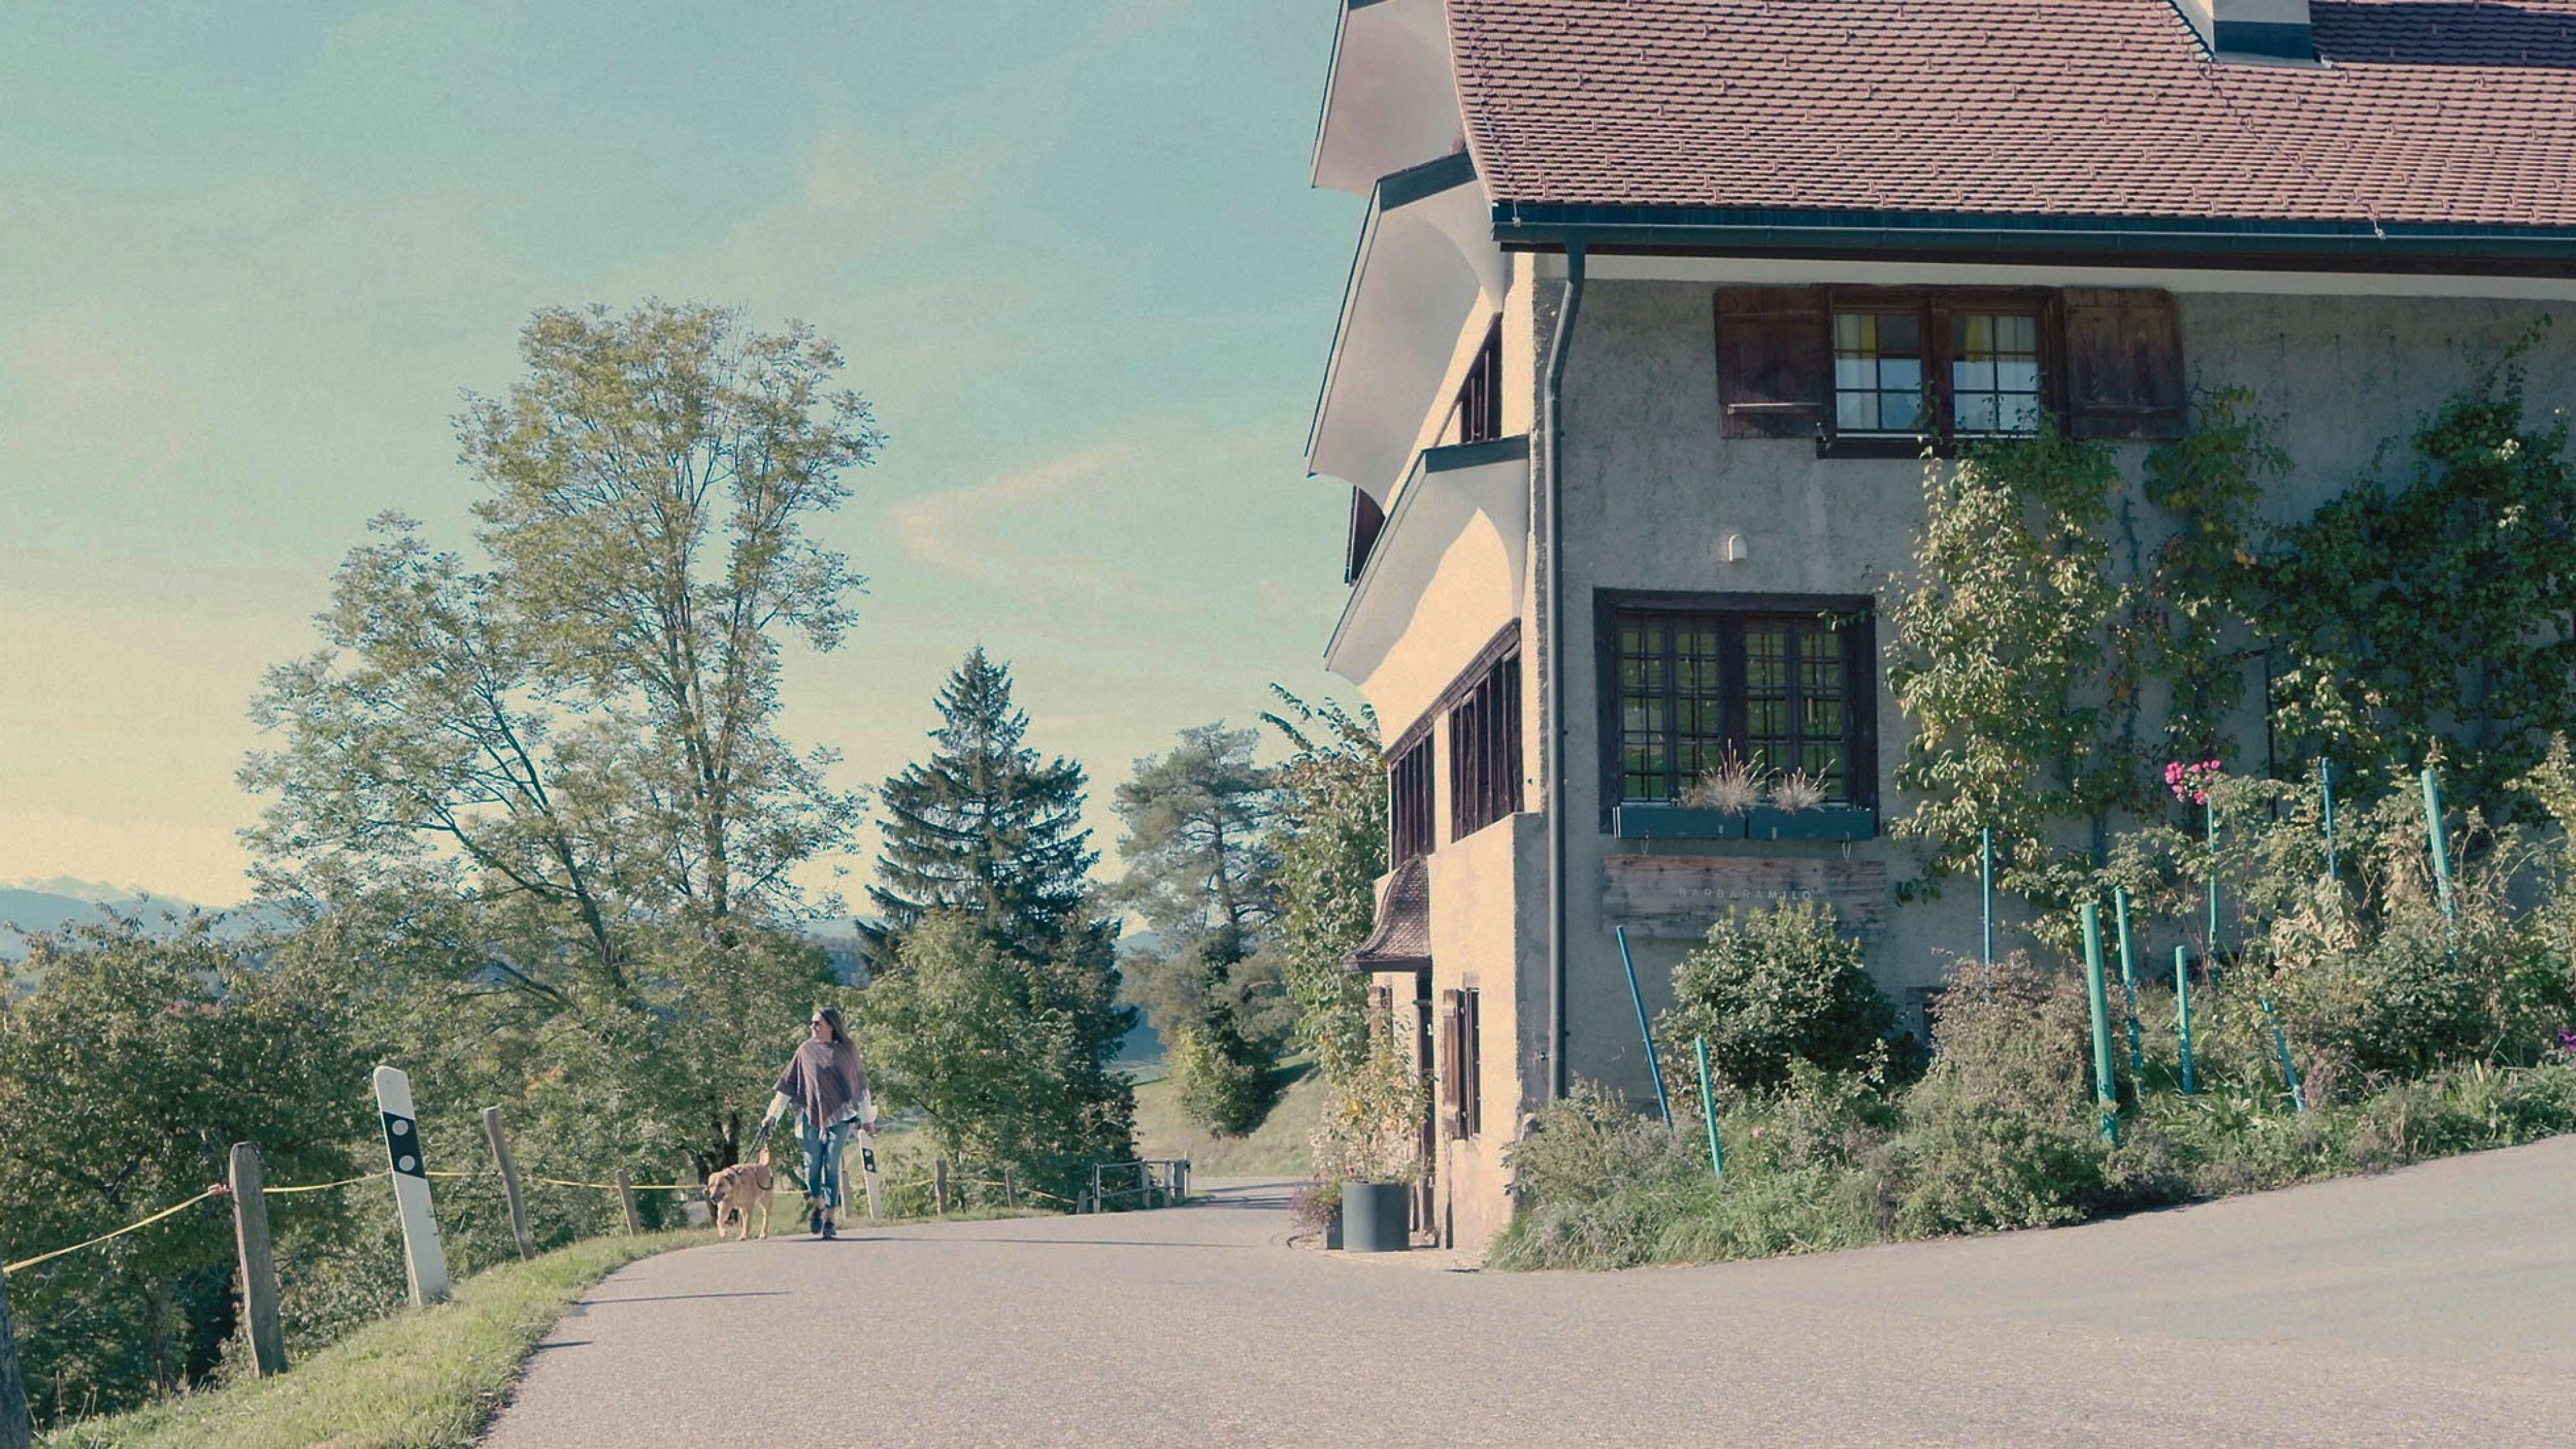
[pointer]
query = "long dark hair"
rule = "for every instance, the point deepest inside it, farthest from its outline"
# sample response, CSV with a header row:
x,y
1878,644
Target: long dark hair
x,y
831,1016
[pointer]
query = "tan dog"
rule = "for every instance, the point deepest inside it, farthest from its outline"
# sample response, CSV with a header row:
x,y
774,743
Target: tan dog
x,y
739,1189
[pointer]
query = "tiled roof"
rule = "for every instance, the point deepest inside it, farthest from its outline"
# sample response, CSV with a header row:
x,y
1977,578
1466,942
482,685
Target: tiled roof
x,y
2450,113
1402,939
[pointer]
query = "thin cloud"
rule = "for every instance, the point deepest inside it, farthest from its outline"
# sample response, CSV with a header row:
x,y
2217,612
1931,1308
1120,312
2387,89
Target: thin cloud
x,y
977,532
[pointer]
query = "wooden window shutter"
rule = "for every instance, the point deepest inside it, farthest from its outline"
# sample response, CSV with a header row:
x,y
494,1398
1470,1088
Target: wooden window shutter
x,y
1453,1051
1471,1107
1775,362
2123,364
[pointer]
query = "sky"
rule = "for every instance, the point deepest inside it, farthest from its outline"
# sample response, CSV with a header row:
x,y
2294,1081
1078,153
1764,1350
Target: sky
x,y
251,256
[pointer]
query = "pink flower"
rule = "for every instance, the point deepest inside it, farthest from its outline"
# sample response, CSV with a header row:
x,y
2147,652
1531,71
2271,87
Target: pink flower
x,y
2191,782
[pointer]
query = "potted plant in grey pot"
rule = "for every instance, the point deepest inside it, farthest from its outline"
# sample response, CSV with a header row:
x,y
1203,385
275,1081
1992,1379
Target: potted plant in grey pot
x,y
1712,807
1796,809
1368,1143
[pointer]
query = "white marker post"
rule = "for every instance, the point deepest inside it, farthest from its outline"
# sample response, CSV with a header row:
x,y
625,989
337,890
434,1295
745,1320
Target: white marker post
x,y
868,1158
423,1260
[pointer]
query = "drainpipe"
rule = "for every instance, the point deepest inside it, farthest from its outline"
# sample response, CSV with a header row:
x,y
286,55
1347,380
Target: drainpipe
x,y
1552,699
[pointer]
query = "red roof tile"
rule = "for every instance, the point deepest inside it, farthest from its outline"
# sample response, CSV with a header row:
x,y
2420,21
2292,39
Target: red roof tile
x,y
2437,112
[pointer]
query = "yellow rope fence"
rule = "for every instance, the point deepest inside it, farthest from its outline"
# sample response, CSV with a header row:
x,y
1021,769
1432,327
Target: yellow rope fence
x,y
220,1190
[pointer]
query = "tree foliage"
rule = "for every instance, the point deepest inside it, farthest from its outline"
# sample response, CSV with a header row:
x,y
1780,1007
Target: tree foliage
x,y
125,1077
1007,1054
983,827
1201,871
551,787
1331,839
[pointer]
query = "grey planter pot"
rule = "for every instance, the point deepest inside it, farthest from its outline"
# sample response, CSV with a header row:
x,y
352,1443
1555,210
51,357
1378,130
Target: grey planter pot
x,y
1674,822
1376,1217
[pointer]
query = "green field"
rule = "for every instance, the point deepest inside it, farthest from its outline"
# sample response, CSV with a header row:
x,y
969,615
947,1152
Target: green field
x,y
1276,1148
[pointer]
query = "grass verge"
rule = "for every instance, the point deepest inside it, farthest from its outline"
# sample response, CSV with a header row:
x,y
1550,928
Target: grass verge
x,y
417,1380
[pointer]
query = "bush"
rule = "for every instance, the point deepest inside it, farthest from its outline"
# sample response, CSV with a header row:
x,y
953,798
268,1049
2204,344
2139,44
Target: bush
x,y
1217,1088
1775,986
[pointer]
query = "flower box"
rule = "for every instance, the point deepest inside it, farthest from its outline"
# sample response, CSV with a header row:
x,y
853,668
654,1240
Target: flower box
x,y
1674,822
1825,822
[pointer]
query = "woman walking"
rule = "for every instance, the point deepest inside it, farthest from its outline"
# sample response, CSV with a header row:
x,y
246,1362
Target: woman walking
x,y
828,1090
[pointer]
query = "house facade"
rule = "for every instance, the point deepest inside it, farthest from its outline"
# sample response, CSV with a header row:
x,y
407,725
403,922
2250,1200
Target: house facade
x,y
1656,307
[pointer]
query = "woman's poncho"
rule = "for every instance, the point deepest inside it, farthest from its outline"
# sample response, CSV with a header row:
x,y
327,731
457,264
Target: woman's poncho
x,y
822,1080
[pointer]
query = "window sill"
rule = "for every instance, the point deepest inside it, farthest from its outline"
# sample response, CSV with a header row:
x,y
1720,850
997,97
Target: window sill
x,y
1885,445
1879,445
1655,821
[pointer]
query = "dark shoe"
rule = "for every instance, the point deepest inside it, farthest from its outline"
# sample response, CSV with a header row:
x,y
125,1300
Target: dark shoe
x,y
829,1232
814,1221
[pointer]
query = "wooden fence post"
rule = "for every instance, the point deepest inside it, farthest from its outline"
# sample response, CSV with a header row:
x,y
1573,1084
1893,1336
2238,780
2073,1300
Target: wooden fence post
x,y
17,1431
1010,1189
424,1261
626,1200
509,1182
939,1187
258,1263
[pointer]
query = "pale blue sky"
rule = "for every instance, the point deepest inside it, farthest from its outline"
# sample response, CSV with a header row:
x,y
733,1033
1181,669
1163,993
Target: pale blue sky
x,y
250,254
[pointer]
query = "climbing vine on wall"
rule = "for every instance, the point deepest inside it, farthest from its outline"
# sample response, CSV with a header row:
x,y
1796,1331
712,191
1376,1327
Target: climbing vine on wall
x,y
2431,618
2001,655
2438,614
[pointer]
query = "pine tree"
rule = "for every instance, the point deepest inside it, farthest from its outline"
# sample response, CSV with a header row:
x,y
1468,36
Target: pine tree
x,y
985,830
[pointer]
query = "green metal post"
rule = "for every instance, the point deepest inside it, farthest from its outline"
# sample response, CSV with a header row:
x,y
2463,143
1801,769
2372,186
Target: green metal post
x,y
2325,794
2182,1014
2281,1048
1653,1065
2129,983
2105,1094
2441,844
1986,892
1708,1109
2212,811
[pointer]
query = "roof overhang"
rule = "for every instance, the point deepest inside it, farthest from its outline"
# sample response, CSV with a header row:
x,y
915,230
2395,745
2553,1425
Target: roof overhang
x,y
1426,263
1400,938
1391,100
1448,492
2240,243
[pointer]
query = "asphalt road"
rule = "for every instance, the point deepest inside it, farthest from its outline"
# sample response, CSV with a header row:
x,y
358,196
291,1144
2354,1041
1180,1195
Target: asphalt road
x,y
2433,1306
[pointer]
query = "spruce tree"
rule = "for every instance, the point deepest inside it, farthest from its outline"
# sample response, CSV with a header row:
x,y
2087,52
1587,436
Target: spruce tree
x,y
984,829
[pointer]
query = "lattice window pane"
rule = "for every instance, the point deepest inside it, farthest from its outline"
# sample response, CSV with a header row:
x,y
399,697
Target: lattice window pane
x,y
1994,372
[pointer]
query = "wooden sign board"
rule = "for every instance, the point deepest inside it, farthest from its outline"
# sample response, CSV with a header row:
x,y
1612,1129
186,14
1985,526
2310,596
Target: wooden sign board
x,y
1681,896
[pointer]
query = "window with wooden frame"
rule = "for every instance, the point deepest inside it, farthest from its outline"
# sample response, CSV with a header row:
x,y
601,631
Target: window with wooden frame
x,y
1780,683
1879,371
1477,415
1409,787
1485,748
1462,1112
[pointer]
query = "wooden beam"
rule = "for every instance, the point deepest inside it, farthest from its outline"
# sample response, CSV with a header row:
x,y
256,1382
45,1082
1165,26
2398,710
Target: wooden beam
x,y
1678,897
258,1263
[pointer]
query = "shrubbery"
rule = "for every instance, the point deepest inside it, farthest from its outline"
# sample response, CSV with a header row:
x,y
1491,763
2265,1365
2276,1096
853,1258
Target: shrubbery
x,y
1218,1088
1774,987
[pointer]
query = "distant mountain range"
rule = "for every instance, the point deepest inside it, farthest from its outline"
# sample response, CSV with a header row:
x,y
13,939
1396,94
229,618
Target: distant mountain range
x,y
36,906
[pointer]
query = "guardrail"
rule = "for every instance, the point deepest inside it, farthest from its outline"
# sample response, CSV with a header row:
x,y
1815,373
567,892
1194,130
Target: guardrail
x,y
1158,1182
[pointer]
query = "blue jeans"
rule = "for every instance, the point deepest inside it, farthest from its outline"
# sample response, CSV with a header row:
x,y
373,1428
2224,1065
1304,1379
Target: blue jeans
x,y
823,1159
